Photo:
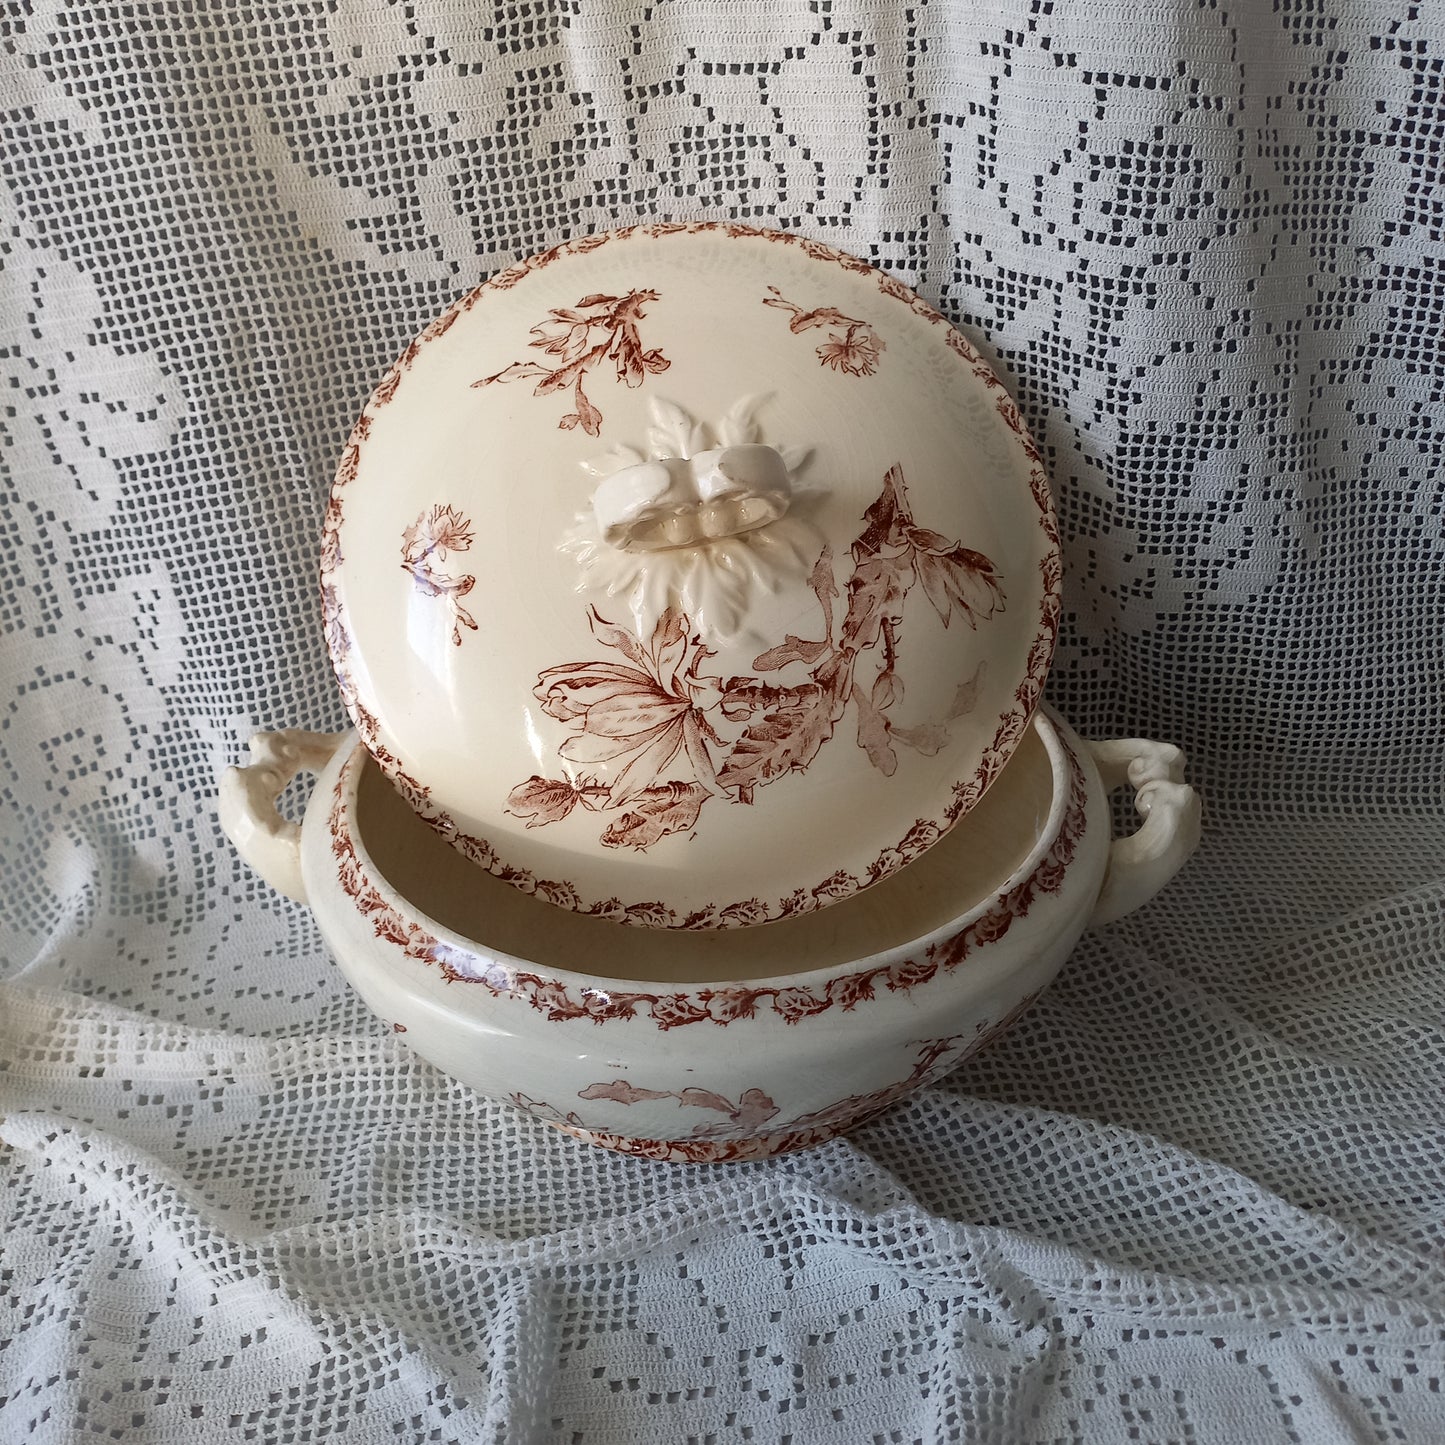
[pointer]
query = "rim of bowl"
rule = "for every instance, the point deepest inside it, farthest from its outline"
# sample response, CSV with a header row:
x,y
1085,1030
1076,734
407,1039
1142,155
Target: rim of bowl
x,y
503,971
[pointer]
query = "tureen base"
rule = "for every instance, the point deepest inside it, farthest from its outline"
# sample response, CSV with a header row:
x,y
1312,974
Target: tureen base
x,y
740,1044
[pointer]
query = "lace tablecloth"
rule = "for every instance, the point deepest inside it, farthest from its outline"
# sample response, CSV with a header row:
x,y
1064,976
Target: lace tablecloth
x,y
1198,1194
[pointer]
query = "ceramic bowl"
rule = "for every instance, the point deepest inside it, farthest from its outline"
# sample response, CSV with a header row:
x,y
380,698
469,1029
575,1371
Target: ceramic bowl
x,y
695,575
723,1045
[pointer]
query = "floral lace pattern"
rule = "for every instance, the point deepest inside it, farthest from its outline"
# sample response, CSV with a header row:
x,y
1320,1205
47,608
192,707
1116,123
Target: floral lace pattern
x,y
677,736
852,345
577,338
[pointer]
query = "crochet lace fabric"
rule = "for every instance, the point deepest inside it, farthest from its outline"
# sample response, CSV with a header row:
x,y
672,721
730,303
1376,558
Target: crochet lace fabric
x,y
1198,1194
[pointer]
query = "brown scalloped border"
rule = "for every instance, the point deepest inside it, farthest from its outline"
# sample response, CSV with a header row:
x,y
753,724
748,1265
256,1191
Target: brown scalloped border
x,y
721,1004
743,912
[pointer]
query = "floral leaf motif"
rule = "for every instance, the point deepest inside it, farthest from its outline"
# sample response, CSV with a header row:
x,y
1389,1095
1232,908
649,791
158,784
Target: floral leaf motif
x,y
586,416
655,722
621,1092
885,518
553,999
823,586
727,1004
873,735
887,686
603,1004
564,334
668,646
790,649
923,834
754,1108
640,718
521,371
548,800
633,363
436,532
654,813
412,789
955,576
611,700
785,740
930,739
875,592
563,894
836,885
855,352
798,1003
652,749
673,1010
804,320
391,928
652,914
610,635
578,339
705,1099
908,973
965,699
751,910
558,380
852,345
851,989
741,697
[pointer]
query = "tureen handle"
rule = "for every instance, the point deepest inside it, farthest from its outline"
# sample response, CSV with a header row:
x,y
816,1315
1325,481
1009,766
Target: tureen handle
x,y
270,843
1141,864
681,501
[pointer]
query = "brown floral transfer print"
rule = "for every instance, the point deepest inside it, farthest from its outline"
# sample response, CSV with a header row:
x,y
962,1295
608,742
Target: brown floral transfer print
x,y
852,346
424,545
1011,723
720,1005
741,1120
679,735
742,1134
577,339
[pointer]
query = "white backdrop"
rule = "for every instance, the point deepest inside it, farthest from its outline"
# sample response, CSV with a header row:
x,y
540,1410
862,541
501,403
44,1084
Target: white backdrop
x,y
1199,1193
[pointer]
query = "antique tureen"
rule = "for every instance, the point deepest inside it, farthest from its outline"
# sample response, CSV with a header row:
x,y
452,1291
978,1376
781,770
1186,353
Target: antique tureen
x,y
734,1044
691,589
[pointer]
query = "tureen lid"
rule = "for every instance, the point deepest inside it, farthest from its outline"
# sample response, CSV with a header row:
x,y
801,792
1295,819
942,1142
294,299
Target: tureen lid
x,y
692,575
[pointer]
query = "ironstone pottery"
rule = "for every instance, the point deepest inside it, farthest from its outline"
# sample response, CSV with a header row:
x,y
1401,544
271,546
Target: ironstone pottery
x,y
691,589
695,575
734,1044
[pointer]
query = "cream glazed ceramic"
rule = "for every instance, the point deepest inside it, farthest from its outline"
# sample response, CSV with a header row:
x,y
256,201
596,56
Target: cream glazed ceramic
x,y
692,576
731,1044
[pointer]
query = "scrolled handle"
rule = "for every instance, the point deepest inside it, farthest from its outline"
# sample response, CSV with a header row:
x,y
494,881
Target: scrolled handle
x,y
681,501
1141,864
270,843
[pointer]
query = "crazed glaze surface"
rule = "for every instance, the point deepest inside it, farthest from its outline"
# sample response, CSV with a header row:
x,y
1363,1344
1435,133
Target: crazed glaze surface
x,y
802,703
